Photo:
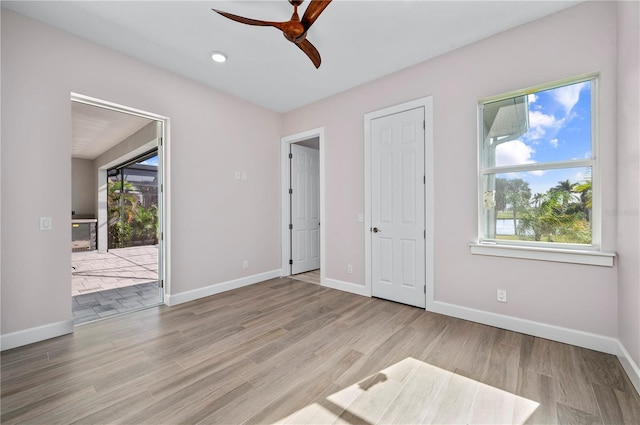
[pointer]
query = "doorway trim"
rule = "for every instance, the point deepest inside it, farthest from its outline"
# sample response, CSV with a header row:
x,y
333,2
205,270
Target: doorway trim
x,y
285,143
427,104
164,266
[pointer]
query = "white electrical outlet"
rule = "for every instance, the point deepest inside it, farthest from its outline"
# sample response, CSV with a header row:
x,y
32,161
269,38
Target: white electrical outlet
x,y
502,295
237,175
360,218
349,268
245,264
244,176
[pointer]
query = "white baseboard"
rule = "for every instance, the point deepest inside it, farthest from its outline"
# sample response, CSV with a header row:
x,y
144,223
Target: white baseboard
x,y
354,288
542,330
551,332
39,333
183,297
632,369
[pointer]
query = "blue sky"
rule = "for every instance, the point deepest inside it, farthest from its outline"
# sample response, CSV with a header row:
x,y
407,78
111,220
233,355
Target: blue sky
x,y
559,130
151,161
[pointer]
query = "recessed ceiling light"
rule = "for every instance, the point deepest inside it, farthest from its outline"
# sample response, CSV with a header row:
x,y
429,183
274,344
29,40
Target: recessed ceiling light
x,y
218,57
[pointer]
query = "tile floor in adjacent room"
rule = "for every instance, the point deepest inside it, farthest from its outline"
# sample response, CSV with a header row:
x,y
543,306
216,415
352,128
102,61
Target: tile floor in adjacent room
x,y
97,305
119,281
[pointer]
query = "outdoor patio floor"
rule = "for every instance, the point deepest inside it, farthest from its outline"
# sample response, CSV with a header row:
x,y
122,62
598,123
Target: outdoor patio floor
x,y
119,281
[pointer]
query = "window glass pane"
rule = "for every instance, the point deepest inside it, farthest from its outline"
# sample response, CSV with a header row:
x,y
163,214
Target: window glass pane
x,y
547,126
541,205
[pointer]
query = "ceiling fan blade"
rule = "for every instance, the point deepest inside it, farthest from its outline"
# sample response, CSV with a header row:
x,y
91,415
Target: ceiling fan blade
x,y
250,21
294,30
314,10
308,48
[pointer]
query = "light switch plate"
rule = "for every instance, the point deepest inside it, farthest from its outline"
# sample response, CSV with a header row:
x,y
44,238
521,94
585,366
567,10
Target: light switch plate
x,y
46,223
502,295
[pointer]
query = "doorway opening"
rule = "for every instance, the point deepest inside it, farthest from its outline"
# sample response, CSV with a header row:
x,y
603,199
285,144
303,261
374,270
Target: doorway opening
x,y
118,169
303,206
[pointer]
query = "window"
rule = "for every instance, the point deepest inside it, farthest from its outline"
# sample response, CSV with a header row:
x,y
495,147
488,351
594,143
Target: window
x,y
537,168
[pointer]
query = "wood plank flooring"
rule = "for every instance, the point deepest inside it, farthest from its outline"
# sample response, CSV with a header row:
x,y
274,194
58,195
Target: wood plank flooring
x,y
311,277
286,351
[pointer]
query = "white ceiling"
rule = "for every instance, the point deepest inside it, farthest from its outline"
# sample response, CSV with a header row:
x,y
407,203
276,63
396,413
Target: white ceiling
x,y
95,130
359,40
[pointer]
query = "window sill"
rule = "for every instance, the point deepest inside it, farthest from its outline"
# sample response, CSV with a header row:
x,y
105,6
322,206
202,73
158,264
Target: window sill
x,y
593,258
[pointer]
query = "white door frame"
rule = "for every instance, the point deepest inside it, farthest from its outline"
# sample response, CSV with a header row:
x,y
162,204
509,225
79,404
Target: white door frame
x,y
164,254
284,193
427,104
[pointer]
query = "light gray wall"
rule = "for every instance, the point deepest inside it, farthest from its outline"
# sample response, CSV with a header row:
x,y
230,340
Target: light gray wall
x,y
216,221
210,142
627,211
573,42
83,187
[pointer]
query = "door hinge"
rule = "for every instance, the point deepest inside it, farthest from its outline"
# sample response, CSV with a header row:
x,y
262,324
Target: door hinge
x,y
291,262
162,283
424,125
161,141
161,236
290,191
290,156
424,179
424,288
425,234
290,226
161,188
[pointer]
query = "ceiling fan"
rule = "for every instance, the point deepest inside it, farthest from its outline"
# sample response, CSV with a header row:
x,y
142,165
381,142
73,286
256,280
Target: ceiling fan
x,y
294,30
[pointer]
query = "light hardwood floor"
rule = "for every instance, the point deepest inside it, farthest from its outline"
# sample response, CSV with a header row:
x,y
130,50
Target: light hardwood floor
x,y
311,277
293,352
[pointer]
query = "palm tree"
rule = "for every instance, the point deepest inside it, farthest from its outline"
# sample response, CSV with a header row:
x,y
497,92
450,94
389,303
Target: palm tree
x,y
558,215
121,209
565,189
518,195
514,193
542,217
586,197
145,225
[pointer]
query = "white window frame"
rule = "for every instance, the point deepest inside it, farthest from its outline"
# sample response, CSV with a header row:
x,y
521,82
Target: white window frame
x,y
546,251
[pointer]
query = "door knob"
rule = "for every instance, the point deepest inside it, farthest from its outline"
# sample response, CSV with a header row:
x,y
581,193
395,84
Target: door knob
x,y
375,230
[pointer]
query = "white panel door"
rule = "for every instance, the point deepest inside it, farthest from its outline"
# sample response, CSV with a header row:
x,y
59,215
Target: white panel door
x,y
305,209
398,208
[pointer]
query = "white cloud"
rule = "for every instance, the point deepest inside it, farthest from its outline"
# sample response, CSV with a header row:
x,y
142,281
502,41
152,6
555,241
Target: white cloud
x,y
538,119
513,153
539,123
568,96
553,143
532,98
537,173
